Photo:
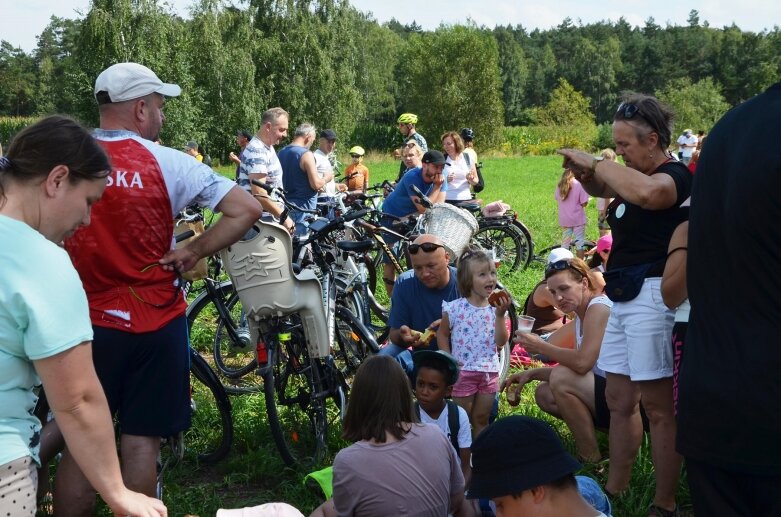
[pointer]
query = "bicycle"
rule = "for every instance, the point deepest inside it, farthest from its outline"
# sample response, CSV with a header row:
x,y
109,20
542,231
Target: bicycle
x,y
505,235
293,320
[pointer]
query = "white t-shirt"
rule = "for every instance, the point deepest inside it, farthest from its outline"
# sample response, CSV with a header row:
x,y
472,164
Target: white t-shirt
x,y
458,188
43,312
603,300
464,428
324,167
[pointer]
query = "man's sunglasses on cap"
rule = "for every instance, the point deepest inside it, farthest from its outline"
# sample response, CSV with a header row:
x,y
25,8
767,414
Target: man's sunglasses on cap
x,y
428,247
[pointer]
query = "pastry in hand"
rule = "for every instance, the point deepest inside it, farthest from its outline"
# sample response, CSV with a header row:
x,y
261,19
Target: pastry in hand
x,y
498,298
424,337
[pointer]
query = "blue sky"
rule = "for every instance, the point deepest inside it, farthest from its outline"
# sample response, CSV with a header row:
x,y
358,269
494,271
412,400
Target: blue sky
x,y
25,19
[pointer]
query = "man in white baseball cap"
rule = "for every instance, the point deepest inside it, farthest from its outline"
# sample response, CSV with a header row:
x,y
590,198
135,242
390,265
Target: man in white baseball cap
x,y
128,81
129,270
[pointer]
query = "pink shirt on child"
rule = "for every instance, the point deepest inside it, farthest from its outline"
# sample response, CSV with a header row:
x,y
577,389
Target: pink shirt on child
x,y
571,211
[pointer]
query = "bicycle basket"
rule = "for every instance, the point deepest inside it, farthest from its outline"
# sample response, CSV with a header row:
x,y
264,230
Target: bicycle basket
x,y
455,226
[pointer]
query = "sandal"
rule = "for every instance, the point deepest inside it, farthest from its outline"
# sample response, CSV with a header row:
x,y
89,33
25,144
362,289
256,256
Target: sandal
x,y
658,511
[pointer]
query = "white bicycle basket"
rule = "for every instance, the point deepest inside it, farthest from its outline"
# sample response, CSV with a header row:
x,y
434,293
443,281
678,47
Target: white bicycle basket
x,y
455,226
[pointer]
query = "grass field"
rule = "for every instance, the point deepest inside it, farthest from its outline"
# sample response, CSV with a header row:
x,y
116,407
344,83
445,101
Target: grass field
x,y
254,473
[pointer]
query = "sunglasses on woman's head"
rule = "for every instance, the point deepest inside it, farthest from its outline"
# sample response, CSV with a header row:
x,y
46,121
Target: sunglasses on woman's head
x,y
428,247
628,110
559,265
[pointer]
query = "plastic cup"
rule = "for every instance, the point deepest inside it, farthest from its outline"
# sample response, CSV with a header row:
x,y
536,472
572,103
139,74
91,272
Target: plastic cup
x,y
525,324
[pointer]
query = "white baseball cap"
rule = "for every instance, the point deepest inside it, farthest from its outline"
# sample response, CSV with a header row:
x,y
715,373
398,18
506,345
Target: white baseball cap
x,y
558,254
264,510
128,81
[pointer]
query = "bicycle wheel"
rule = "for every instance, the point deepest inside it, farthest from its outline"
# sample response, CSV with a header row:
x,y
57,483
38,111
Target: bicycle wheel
x,y
526,242
354,343
295,404
211,433
506,243
224,342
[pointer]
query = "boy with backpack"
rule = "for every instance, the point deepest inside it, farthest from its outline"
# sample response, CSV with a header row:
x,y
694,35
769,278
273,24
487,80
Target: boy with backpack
x,y
436,372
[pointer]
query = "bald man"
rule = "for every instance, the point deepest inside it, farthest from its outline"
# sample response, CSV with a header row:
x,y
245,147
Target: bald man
x,y
417,298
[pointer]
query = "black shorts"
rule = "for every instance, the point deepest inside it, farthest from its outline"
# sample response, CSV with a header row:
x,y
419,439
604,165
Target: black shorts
x,y
602,416
146,377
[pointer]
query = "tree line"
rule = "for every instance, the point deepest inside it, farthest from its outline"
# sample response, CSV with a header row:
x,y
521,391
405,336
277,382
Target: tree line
x,y
331,64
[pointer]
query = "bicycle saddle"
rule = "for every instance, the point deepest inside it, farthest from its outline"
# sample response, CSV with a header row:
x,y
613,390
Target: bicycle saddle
x,y
355,246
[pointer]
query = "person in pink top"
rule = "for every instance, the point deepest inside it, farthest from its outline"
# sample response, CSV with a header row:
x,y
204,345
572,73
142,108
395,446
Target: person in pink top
x,y
572,201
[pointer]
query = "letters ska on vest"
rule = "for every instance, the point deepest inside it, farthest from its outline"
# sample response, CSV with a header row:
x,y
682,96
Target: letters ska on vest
x,y
125,179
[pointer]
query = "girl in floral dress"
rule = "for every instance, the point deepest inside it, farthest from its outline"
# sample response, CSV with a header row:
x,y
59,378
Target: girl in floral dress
x,y
472,329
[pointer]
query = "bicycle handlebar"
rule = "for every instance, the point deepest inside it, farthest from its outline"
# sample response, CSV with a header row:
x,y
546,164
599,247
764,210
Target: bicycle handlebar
x,y
282,197
267,188
425,201
184,236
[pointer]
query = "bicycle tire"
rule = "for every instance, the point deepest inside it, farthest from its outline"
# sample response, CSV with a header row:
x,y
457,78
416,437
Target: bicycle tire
x,y
211,432
528,243
506,242
297,418
354,343
209,336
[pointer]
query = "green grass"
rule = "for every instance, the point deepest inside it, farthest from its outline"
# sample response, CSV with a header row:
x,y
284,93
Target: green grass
x,y
254,473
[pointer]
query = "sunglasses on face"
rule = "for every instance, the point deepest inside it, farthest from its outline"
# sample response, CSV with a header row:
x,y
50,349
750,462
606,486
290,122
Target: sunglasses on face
x,y
355,155
428,247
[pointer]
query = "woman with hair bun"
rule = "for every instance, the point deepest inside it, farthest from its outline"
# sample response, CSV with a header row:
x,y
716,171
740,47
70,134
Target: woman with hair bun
x,y
53,173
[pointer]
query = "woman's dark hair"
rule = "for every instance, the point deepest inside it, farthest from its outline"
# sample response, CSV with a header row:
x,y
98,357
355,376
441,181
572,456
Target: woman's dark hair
x,y
54,140
380,401
648,112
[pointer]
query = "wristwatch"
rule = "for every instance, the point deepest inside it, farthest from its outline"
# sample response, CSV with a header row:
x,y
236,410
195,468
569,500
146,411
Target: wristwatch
x,y
595,161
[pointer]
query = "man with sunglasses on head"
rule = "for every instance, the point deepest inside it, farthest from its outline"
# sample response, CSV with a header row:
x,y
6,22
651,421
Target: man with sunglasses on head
x,y
416,303
403,201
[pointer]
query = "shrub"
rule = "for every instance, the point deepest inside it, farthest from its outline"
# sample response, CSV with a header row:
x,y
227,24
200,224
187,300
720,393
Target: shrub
x,y
545,140
9,126
380,137
604,136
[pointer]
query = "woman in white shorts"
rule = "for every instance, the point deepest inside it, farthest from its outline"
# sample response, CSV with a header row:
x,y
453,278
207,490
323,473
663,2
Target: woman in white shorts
x,y
636,352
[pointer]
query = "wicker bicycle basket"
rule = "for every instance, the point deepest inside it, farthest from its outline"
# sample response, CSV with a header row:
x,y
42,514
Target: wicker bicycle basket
x,y
455,226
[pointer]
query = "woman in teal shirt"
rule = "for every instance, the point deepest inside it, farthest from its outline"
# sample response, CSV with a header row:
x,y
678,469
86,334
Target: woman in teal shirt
x,y
53,173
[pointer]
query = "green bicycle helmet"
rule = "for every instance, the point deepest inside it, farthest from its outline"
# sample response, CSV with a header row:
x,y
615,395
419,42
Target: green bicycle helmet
x,y
407,118
358,150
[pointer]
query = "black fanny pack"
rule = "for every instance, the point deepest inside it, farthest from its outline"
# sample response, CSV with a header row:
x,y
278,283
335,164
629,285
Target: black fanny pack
x,y
624,283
